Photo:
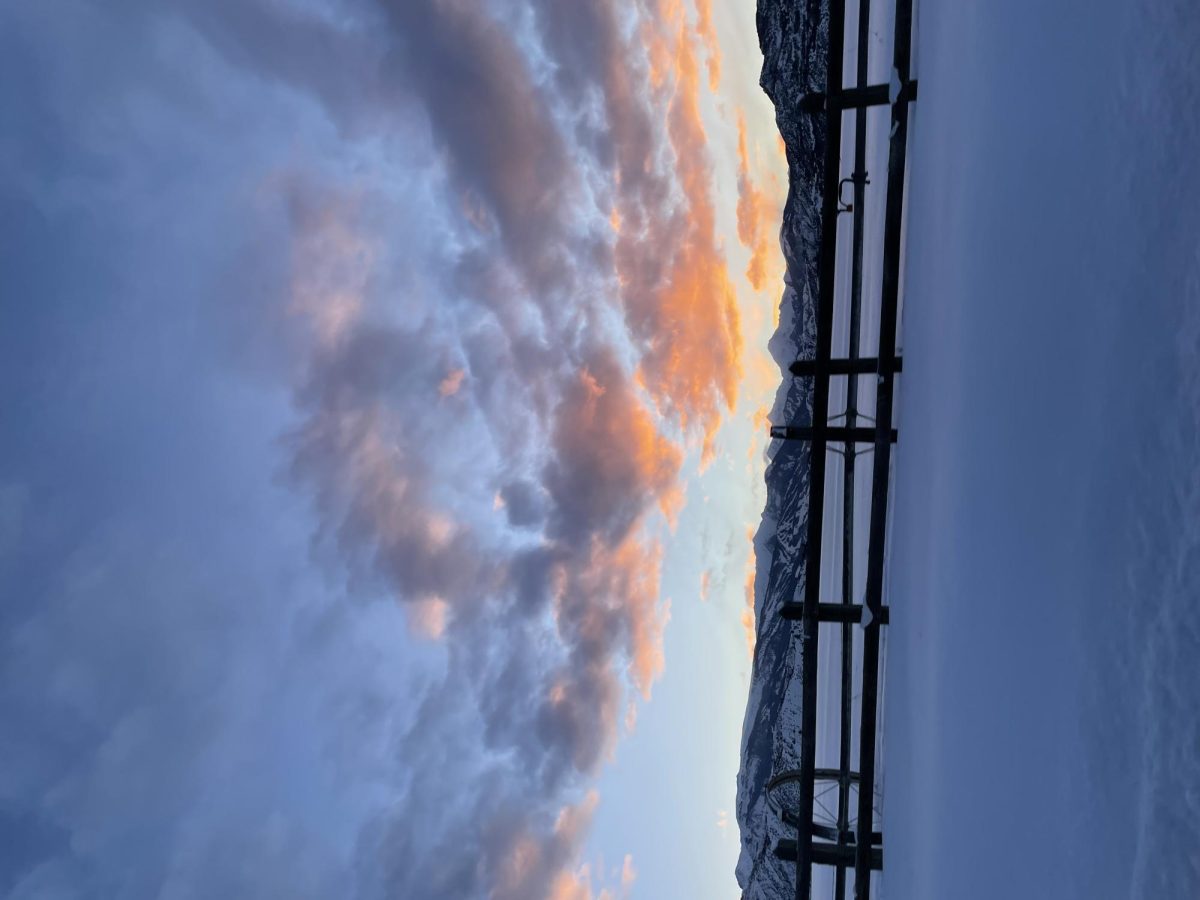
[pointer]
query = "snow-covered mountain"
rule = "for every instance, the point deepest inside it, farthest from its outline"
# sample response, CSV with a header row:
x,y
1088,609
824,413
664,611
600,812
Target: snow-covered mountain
x,y
794,39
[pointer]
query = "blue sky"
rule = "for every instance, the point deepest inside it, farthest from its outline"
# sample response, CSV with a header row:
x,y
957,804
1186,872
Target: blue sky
x,y
383,399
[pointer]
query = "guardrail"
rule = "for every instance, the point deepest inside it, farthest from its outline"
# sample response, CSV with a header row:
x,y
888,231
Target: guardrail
x,y
832,842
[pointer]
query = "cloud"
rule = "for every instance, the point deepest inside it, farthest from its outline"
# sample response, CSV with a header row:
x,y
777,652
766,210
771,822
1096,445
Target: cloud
x,y
628,875
756,214
450,385
577,885
353,426
706,30
747,616
680,304
591,483
429,617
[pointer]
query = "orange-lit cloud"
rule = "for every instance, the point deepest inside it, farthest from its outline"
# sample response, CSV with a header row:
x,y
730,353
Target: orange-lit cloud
x,y
761,422
748,609
616,589
450,385
628,875
541,868
681,306
329,265
706,30
560,432
757,217
618,455
577,884
428,617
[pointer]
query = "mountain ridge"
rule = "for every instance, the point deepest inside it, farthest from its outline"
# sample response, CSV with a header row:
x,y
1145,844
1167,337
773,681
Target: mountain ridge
x,y
793,37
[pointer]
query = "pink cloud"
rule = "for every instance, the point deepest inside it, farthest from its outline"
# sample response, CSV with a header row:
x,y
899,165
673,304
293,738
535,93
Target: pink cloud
x,y
451,384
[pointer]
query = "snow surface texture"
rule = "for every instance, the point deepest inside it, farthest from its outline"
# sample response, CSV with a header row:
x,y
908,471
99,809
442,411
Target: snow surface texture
x,y
792,37
1043,677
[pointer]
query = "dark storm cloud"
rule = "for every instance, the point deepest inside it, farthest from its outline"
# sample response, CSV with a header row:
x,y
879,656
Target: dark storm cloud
x,y
493,121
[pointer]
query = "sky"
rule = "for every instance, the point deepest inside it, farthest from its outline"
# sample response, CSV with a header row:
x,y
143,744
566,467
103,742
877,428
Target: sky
x,y
1042,707
384,393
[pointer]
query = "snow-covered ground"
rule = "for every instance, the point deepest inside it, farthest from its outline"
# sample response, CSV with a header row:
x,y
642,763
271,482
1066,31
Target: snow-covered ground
x,y
1043,683
1043,676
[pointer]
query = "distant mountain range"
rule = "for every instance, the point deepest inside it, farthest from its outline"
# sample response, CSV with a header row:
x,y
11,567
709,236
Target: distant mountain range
x,y
794,41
